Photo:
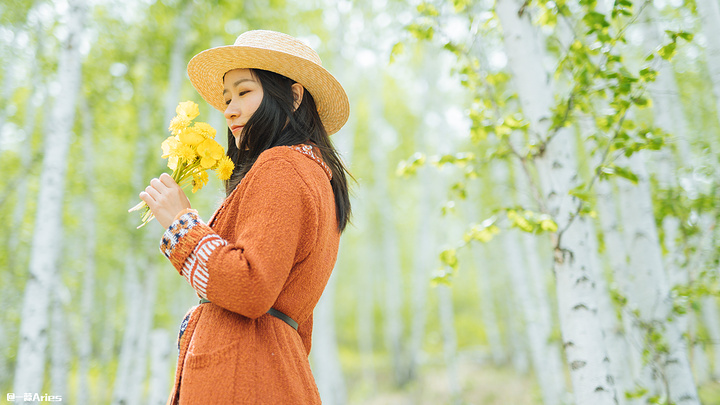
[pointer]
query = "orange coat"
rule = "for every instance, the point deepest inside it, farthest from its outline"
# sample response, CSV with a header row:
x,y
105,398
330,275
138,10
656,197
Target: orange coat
x,y
272,243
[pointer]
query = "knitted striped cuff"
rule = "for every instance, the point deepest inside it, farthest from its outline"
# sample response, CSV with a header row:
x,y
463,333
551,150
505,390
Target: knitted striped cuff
x,y
179,228
195,269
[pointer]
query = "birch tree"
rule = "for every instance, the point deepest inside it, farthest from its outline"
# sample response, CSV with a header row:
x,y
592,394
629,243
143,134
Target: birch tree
x,y
577,296
709,13
422,266
535,311
488,310
388,261
326,361
47,236
87,298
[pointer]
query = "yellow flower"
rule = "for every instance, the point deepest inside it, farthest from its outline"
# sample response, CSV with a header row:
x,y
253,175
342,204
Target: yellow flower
x,y
173,162
169,146
210,152
190,136
205,129
187,109
225,168
178,124
199,180
186,152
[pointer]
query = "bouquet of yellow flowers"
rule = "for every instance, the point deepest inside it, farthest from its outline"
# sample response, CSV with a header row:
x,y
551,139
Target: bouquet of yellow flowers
x,y
190,151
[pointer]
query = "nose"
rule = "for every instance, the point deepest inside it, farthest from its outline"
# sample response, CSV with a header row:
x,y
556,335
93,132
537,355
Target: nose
x,y
231,111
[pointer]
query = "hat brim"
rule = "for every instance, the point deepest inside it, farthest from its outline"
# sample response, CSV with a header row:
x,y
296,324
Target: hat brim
x,y
206,71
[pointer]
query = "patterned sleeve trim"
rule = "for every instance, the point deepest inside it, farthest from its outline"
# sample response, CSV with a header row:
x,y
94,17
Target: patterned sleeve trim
x,y
179,228
189,243
195,267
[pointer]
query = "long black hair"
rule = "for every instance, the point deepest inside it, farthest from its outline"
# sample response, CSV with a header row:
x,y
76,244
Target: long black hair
x,y
277,123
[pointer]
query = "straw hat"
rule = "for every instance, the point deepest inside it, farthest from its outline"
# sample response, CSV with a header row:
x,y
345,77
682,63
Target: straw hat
x,y
276,52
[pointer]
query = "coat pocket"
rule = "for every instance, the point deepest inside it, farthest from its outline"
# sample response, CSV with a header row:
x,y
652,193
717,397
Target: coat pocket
x,y
218,377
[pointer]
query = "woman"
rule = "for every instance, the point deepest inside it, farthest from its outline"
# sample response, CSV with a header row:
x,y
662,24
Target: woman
x,y
262,261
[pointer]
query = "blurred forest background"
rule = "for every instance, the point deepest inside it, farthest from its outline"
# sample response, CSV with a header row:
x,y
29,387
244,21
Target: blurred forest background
x,y
534,215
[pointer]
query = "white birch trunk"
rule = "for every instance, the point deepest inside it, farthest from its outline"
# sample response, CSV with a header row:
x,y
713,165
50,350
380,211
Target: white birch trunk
x,y
629,365
646,284
447,325
666,104
131,356
160,357
488,311
615,339
87,297
129,352
389,263
138,375
699,361
577,295
326,363
533,302
711,321
326,360
21,189
17,259
10,81
705,242
554,387
515,334
60,346
107,339
47,236
709,13
422,268
366,303
177,62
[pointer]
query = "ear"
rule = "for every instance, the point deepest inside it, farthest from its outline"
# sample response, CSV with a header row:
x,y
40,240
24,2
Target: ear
x,y
298,91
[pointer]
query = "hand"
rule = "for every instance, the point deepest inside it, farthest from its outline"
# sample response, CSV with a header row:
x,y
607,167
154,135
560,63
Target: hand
x,y
165,198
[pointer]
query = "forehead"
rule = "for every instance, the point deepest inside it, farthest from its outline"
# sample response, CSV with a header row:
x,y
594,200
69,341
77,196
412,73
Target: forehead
x,y
235,75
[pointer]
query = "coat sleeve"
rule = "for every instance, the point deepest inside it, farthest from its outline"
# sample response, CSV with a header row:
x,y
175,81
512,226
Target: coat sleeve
x,y
275,228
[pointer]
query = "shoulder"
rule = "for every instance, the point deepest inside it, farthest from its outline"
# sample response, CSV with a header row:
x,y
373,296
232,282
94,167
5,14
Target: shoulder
x,y
280,167
279,153
297,161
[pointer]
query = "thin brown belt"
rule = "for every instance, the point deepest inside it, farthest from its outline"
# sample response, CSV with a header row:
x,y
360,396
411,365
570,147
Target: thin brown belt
x,y
272,311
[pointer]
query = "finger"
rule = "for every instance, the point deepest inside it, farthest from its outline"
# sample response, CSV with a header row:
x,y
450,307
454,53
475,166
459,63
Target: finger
x,y
155,194
167,180
158,185
148,199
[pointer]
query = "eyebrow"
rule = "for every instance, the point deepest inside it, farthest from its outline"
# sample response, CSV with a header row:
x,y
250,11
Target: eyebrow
x,y
237,83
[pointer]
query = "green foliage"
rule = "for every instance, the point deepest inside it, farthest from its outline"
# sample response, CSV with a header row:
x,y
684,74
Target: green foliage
x,y
688,296
606,171
410,166
531,222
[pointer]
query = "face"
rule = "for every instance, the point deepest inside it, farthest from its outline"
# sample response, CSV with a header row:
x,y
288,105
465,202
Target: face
x,y
243,94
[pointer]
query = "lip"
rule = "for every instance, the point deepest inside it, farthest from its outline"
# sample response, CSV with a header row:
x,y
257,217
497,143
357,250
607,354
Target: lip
x,y
236,128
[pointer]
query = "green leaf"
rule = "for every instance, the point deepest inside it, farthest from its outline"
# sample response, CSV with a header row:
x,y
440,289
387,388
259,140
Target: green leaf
x,y
428,9
409,167
685,35
422,32
668,51
549,225
483,232
625,173
441,276
449,258
580,192
396,50
648,74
